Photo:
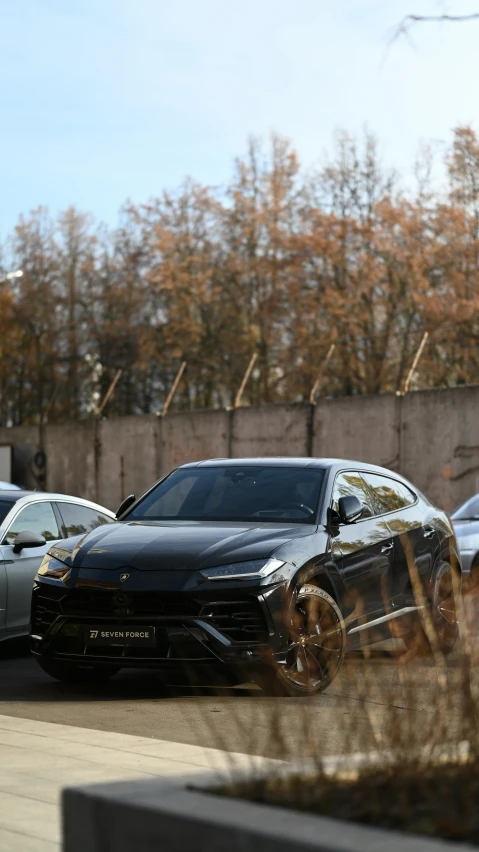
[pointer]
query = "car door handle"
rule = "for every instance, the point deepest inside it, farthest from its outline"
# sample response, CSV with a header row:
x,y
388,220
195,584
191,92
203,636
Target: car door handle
x,y
386,547
428,532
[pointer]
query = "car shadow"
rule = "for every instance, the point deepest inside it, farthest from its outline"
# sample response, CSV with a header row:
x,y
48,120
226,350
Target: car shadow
x,y
22,680
11,649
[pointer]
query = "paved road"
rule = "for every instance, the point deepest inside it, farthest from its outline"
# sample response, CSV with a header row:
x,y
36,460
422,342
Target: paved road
x,y
364,702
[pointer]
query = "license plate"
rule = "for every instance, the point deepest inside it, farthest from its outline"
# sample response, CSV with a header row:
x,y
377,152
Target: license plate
x,y
108,635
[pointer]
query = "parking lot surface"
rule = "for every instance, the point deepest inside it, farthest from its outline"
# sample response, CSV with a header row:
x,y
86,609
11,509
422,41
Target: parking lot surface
x,y
362,701
54,735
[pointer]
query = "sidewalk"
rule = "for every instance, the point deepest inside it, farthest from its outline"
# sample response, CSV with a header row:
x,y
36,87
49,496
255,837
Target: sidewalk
x,y
38,759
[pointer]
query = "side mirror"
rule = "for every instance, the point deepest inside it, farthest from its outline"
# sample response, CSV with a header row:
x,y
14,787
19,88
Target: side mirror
x,y
127,502
350,509
27,539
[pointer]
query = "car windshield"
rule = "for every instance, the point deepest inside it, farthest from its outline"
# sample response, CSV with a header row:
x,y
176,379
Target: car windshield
x,y
227,493
468,511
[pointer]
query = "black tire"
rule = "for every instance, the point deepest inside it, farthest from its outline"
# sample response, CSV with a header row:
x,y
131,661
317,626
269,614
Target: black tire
x,y
73,673
310,665
444,607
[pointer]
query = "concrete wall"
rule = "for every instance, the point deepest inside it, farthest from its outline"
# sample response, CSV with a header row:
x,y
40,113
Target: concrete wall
x,y
439,446
127,458
25,442
192,436
364,428
432,437
70,449
270,430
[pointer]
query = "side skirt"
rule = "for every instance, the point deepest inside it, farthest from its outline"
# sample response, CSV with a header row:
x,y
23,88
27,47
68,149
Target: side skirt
x,y
382,619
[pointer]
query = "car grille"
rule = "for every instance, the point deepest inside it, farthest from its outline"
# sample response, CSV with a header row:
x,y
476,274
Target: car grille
x,y
99,602
239,620
46,607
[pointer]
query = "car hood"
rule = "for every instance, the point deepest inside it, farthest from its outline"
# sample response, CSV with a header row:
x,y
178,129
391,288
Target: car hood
x,y
178,545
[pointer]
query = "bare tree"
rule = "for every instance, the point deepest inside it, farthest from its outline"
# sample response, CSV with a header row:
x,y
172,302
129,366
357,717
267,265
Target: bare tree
x,y
410,21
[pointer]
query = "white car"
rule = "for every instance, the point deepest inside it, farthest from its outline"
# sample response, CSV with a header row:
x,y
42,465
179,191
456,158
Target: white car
x,y
466,527
30,522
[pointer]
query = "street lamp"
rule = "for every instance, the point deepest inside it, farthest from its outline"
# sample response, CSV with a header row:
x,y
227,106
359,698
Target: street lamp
x,y
10,275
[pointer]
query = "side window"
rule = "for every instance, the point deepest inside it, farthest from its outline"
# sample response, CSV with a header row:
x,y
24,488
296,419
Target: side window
x,y
37,518
408,495
81,519
348,484
389,495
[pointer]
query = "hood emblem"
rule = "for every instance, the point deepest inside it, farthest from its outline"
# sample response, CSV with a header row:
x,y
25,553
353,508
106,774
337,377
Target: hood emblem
x,y
123,577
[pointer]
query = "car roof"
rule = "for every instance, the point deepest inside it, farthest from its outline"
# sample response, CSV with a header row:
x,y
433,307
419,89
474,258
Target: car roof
x,y
11,496
288,461
269,461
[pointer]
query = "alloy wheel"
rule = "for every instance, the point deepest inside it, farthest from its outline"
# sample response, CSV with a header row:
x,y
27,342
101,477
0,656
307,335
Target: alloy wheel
x,y
316,642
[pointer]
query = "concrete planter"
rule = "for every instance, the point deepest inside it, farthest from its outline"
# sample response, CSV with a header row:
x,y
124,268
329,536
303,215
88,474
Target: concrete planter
x,y
169,816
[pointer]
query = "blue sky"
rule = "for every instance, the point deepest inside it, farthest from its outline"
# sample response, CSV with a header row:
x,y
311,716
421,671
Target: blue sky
x,y
103,100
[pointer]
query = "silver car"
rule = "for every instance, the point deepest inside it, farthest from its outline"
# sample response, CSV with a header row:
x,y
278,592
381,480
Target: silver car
x,y
29,523
466,526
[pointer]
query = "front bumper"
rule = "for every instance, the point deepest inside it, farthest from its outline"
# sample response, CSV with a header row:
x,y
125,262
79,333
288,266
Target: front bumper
x,y
230,626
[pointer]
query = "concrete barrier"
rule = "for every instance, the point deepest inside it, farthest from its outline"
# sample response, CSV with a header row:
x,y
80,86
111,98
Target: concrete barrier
x,y
71,449
126,458
192,436
271,430
440,443
168,816
365,428
432,437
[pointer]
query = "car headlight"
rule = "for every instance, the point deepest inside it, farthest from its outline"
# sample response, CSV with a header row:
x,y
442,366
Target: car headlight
x,y
53,568
254,570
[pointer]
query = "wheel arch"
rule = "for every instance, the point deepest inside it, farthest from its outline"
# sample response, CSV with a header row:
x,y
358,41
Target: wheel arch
x,y
324,582
447,551
318,575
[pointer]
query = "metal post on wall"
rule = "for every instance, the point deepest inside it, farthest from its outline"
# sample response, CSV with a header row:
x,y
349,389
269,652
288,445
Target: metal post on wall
x,y
109,392
246,376
97,440
122,478
325,363
39,462
399,404
415,362
173,389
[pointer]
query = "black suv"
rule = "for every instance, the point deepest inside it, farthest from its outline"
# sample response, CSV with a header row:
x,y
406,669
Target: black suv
x,y
266,569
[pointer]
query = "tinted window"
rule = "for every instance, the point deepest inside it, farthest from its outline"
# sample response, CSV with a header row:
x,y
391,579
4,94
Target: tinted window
x,y
5,507
468,511
81,519
228,493
349,484
389,495
37,518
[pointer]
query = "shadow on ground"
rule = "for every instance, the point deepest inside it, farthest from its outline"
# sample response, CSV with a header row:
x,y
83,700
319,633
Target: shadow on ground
x,y
137,702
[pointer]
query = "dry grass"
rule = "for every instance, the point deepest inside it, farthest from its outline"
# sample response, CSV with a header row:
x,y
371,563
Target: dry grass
x,y
418,734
